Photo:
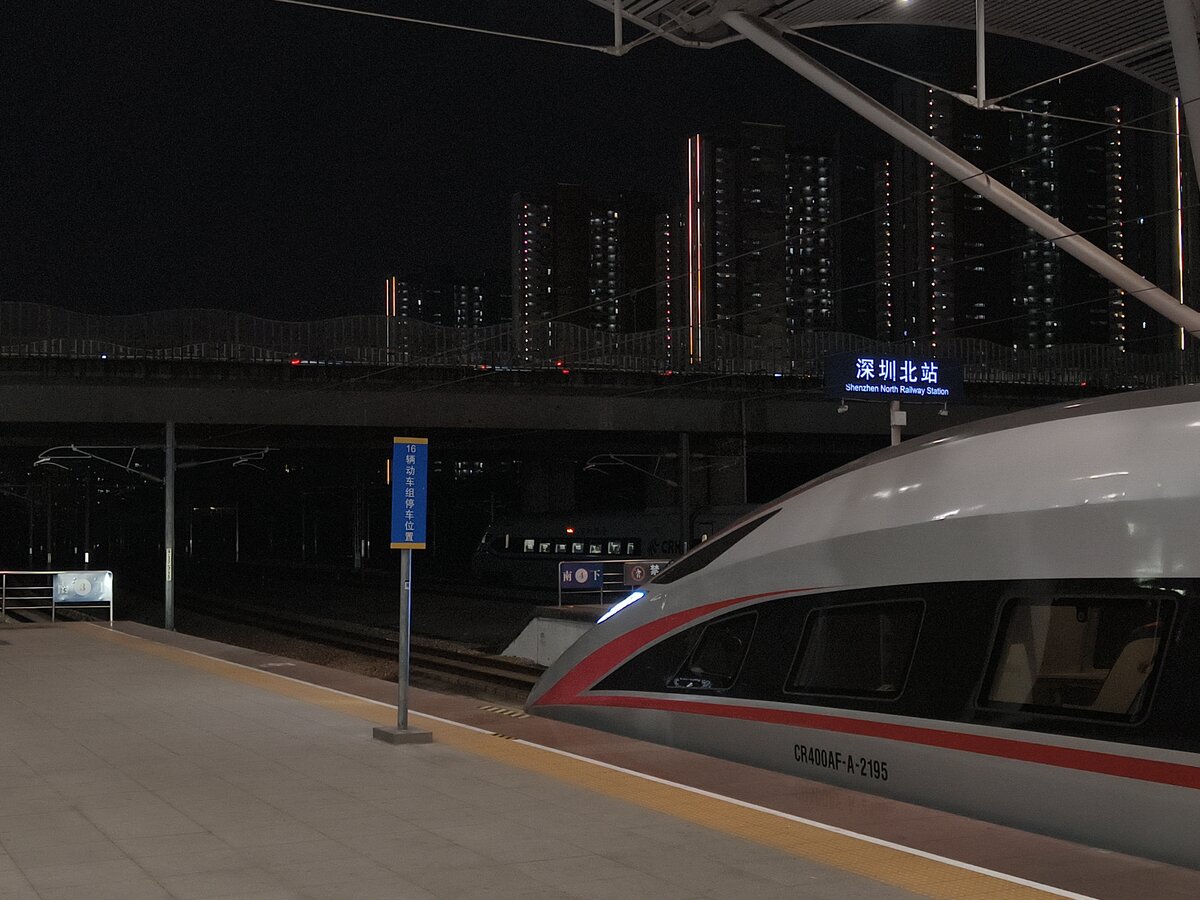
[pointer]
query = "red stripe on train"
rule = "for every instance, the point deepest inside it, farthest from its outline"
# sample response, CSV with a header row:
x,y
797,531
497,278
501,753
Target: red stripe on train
x,y
1176,774
624,647
571,688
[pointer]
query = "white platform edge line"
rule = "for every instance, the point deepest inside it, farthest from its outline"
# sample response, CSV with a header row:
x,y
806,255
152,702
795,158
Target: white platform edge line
x,y
821,825
866,838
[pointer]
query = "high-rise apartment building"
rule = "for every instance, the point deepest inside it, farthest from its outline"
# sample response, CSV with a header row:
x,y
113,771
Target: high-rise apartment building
x,y
1037,299
1093,311
887,300
851,250
937,271
809,271
532,274
760,212
469,307
1119,188
402,297
581,259
670,283
760,236
606,276
439,296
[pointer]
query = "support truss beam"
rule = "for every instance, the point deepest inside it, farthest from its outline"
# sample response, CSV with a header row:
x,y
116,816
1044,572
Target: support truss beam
x,y
772,40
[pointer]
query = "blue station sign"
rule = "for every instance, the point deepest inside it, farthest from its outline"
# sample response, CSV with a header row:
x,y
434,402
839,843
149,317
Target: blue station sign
x,y
410,488
883,376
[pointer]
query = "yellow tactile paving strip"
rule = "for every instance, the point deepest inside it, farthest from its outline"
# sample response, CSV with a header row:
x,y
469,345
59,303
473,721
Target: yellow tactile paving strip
x,y
927,877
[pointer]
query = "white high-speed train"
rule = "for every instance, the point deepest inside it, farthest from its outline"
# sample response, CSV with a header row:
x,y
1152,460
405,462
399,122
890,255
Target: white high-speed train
x,y
999,620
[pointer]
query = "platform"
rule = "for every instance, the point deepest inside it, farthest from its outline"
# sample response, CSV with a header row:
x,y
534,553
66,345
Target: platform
x,y
137,763
552,630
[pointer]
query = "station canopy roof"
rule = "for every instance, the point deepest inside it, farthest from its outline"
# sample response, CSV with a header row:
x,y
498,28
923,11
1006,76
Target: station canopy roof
x,y
1129,35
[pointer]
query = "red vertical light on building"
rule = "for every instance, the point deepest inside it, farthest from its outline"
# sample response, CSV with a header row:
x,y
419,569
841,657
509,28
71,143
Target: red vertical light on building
x,y
1179,208
695,249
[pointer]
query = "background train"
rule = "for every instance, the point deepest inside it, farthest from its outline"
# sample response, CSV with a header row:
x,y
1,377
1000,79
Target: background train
x,y
526,550
998,620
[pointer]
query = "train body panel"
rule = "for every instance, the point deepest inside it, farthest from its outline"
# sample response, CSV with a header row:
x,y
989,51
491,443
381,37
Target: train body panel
x,y
1075,804
1003,617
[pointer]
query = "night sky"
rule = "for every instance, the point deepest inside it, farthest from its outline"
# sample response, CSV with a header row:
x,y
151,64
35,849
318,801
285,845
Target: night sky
x,y
281,160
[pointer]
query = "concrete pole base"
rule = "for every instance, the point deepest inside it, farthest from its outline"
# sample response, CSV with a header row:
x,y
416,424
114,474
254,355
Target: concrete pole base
x,y
394,735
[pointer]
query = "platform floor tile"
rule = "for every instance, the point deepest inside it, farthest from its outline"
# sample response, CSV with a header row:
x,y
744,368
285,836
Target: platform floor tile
x,y
126,774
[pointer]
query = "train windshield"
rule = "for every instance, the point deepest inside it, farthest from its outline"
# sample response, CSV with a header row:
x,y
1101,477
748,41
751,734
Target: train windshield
x,y
709,551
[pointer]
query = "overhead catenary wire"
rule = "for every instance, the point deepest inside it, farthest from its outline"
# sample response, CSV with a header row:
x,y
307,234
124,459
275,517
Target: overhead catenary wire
x,y
993,104
1131,51
409,20
858,57
1045,114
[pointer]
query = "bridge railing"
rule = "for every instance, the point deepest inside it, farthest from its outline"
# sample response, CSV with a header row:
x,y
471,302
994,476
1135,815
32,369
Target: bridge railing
x,y
30,330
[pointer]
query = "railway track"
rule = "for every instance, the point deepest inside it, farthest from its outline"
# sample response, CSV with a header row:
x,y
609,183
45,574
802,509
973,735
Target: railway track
x,y
429,660
432,662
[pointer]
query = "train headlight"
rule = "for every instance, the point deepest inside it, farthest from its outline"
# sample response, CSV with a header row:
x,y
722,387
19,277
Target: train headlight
x,y
632,598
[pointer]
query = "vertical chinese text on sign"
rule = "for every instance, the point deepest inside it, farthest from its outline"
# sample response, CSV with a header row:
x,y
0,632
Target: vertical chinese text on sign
x,y
410,486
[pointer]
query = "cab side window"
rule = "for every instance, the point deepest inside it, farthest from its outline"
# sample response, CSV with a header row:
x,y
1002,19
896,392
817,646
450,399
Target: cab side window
x,y
716,656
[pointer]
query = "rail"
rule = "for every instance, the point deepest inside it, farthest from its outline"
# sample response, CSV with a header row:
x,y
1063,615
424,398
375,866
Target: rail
x,y
429,658
27,589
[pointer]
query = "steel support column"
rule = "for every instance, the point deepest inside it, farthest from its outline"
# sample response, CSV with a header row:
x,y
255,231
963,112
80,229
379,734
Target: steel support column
x,y
403,661
685,489
980,56
772,40
1181,20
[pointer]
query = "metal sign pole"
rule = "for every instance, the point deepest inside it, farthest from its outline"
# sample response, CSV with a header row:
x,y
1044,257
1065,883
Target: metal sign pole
x,y
404,639
410,482
169,529
898,419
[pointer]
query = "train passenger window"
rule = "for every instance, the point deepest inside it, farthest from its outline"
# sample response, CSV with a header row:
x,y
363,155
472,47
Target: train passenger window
x,y
717,655
861,650
1078,656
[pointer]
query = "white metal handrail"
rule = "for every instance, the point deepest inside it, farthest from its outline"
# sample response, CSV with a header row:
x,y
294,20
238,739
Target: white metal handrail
x,y
613,571
34,589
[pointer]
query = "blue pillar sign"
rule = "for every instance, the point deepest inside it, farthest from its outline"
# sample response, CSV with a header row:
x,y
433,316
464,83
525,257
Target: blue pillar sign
x,y
410,487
